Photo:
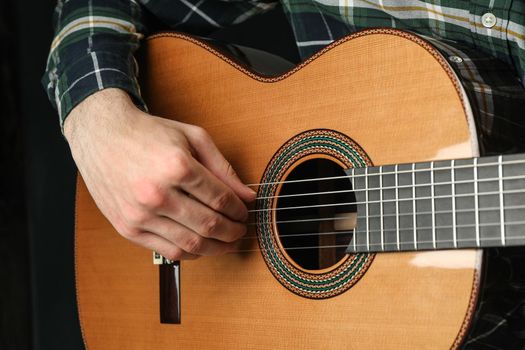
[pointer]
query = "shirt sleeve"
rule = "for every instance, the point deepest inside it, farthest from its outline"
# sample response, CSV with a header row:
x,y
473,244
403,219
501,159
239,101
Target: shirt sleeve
x,y
95,41
92,49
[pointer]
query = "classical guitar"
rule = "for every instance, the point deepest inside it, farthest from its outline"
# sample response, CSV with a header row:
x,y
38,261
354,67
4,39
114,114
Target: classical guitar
x,y
386,166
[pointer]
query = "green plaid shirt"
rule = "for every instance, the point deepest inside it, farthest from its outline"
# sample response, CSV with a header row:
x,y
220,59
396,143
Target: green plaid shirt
x,y
95,39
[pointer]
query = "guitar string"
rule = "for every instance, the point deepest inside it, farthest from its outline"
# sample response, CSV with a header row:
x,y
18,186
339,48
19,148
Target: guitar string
x,y
465,166
329,233
427,228
407,242
459,182
457,195
394,215
468,211
410,243
403,199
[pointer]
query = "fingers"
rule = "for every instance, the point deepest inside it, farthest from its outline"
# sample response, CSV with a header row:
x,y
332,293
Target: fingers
x,y
191,243
201,219
176,241
162,246
211,158
212,192
138,174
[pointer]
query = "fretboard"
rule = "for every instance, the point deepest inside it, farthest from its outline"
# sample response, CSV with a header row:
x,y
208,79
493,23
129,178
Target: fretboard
x,y
467,203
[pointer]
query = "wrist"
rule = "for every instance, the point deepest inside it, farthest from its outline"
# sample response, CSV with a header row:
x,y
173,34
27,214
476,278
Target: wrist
x,y
96,110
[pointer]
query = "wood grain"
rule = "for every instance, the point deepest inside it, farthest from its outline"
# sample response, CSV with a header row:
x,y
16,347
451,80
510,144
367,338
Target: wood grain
x,y
384,91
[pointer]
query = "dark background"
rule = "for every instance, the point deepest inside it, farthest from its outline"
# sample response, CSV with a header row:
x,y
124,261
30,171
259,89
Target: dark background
x,y
37,179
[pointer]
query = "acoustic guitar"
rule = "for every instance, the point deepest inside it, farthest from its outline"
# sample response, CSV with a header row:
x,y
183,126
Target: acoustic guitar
x,y
386,166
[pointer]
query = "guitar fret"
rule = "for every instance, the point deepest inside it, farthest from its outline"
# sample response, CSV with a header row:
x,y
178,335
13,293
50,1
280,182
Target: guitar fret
x,y
414,220
433,205
513,179
354,238
381,207
453,191
501,207
397,207
367,211
489,200
464,203
443,204
387,224
476,201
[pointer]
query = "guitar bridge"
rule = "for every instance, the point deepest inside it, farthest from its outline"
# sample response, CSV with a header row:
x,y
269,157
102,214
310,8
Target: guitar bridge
x,y
169,288
160,260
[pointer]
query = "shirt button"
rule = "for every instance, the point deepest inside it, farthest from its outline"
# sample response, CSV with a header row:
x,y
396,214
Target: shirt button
x,y
455,59
488,20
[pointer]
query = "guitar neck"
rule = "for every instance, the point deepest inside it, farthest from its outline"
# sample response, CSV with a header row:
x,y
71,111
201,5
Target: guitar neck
x,y
467,203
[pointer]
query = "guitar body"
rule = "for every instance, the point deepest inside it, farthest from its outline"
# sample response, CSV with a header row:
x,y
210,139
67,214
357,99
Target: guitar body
x,y
389,92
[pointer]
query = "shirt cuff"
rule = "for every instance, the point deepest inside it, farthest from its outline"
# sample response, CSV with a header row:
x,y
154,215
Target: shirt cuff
x,y
94,72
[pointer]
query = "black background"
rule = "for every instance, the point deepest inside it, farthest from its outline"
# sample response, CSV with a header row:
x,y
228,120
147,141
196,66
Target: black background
x,y
37,179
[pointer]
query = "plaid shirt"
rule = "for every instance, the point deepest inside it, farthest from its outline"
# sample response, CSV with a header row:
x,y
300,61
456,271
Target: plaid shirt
x,y
95,39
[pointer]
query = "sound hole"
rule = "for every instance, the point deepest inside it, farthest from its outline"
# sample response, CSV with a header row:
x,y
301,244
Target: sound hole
x,y
316,237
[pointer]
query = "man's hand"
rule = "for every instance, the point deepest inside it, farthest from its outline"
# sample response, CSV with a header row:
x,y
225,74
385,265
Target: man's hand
x,y
162,184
